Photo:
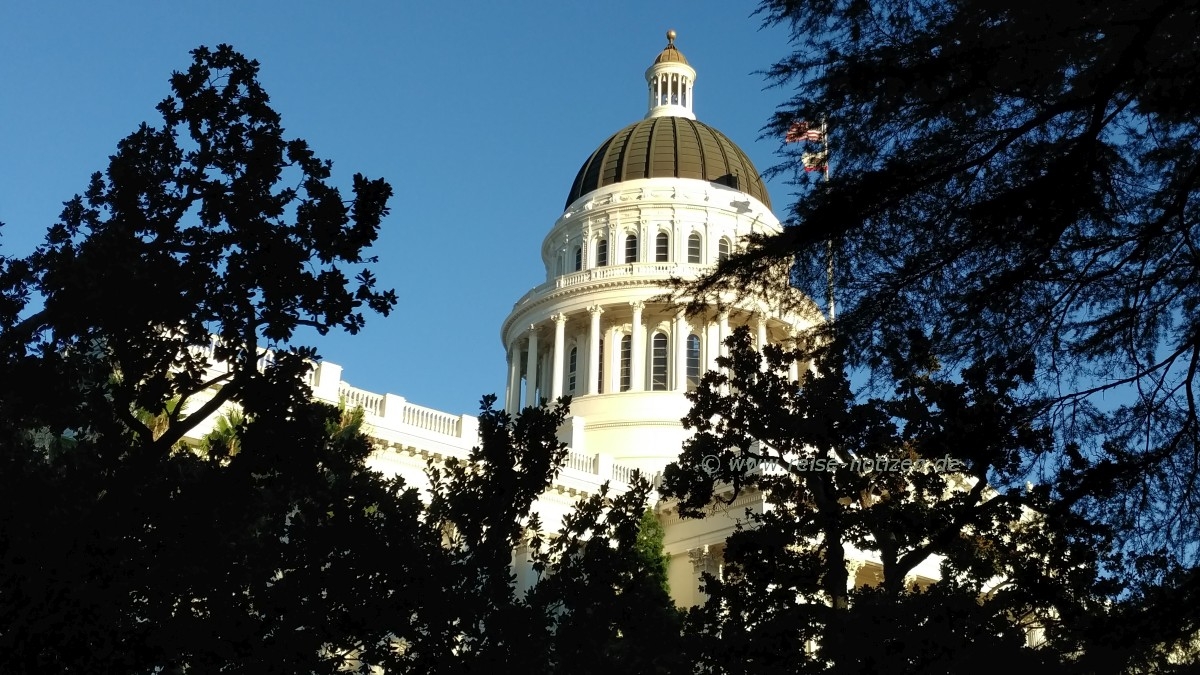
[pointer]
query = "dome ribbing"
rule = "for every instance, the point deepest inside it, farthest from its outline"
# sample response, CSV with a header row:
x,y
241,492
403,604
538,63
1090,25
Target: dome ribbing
x,y
669,147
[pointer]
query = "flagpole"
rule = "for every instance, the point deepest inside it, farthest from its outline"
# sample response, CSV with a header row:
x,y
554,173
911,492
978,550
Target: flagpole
x,y
801,132
828,242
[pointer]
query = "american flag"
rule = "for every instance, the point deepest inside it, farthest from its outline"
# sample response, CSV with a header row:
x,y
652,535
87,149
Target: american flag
x,y
802,131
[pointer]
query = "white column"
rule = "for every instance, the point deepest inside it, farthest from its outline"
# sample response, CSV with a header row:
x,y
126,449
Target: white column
x,y
762,340
712,341
531,369
645,243
637,344
612,357
723,332
512,402
852,569
560,329
681,336
794,368
702,560
594,356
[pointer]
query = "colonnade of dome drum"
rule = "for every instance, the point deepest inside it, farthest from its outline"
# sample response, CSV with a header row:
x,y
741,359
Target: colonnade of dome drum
x,y
627,346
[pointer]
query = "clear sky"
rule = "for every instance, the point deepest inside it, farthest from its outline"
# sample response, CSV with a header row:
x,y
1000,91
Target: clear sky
x,y
478,114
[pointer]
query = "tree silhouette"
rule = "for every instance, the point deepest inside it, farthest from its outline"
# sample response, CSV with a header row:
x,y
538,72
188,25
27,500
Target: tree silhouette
x,y
271,547
1012,183
932,476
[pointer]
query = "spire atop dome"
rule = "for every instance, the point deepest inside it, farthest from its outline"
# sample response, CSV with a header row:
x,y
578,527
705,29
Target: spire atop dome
x,y
671,80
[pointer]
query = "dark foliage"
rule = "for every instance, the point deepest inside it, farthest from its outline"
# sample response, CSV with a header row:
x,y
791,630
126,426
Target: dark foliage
x,y
1012,182
212,224
932,475
271,547
610,608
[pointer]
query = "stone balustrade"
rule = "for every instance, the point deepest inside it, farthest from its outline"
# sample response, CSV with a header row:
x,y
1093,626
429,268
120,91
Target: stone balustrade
x,y
354,397
394,422
432,420
580,461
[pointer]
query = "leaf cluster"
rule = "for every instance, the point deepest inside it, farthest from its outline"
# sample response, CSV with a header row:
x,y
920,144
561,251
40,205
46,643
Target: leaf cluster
x,y
270,546
206,237
1014,557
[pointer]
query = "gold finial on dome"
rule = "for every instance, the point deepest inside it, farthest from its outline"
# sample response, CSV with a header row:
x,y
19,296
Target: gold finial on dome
x,y
670,53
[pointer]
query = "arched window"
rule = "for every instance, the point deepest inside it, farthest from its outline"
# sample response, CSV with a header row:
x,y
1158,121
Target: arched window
x,y
662,247
693,362
631,248
572,369
694,248
600,369
578,258
658,371
723,249
601,253
626,359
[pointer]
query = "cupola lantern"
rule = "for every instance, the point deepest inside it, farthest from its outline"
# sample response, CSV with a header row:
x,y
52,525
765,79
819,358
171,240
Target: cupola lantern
x,y
671,81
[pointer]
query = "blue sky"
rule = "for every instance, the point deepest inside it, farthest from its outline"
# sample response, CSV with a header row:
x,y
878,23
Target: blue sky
x,y
478,114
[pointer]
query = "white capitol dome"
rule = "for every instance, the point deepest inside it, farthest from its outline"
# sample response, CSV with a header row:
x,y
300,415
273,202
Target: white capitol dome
x,y
665,196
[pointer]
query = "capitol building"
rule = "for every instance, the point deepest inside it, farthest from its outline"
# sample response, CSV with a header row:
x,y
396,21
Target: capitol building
x,y
666,196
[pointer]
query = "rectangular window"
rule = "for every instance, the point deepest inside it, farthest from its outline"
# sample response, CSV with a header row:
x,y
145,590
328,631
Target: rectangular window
x,y
658,377
574,364
626,361
600,369
693,362
602,253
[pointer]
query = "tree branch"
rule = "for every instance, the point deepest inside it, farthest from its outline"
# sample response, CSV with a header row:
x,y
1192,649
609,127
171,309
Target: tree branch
x,y
176,431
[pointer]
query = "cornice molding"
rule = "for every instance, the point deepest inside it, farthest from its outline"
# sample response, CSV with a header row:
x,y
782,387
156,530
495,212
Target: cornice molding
x,y
635,423
531,304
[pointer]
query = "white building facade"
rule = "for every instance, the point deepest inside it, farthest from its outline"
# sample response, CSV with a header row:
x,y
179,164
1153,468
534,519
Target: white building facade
x,y
666,196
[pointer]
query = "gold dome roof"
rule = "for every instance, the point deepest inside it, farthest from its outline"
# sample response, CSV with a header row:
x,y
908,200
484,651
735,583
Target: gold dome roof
x,y
669,147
